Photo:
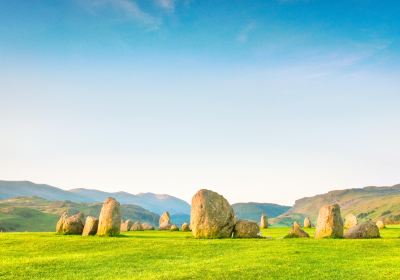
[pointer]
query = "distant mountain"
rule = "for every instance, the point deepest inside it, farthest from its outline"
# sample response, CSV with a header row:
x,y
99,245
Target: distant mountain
x,y
38,214
157,203
366,203
253,211
153,202
10,189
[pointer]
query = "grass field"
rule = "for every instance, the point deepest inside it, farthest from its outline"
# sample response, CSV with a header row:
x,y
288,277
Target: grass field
x,y
176,255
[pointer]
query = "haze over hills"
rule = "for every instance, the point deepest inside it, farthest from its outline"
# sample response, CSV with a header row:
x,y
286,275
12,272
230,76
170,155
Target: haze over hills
x,y
157,203
253,210
38,214
153,202
366,203
37,206
29,206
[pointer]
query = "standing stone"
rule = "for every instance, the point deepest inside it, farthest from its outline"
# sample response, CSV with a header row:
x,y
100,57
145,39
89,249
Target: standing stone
x,y
185,227
350,221
72,224
264,221
60,223
307,222
126,226
147,226
137,226
329,223
380,224
110,218
165,221
211,215
364,230
246,229
91,225
174,228
296,232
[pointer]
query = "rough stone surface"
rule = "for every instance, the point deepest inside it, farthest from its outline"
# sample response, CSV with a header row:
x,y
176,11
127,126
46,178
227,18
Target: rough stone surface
x,y
147,226
363,230
380,224
110,218
350,221
165,221
126,226
70,224
307,222
185,227
211,215
329,223
91,225
296,232
137,226
246,229
60,223
264,221
174,228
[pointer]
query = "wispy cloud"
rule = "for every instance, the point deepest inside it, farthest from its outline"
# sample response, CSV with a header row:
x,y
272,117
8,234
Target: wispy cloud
x,y
168,5
128,8
244,33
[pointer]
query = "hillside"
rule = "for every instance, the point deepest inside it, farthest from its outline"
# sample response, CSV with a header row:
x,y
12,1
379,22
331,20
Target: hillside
x,y
38,214
366,203
157,203
10,189
253,211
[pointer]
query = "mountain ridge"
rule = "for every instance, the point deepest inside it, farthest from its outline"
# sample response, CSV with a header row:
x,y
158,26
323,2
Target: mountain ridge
x,y
371,202
153,202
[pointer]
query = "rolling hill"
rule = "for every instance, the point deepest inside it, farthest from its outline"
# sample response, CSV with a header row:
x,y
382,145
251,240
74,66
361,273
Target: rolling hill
x,y
10,189
366,203
253,211
157,203
38,214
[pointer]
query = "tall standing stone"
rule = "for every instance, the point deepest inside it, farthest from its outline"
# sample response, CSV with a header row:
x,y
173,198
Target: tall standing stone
x,y
264,221
110,218
60,223
211,215
329,223
350,221
165,221
91,225
307,222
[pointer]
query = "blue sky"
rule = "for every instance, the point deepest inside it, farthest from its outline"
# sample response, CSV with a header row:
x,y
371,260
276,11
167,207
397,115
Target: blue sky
x,y
259,100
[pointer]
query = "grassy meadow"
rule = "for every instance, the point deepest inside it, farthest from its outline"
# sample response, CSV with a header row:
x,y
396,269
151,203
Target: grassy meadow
x,y
176,255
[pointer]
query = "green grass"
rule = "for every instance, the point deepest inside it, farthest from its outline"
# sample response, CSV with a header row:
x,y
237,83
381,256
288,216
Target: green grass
x,y
176,255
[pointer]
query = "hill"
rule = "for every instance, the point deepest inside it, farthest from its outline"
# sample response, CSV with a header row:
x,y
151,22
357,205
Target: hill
x,y
157,203
10,189
366,203
38,214
252,210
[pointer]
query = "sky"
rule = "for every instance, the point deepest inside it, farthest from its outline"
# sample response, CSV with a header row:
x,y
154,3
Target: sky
x,y
266,101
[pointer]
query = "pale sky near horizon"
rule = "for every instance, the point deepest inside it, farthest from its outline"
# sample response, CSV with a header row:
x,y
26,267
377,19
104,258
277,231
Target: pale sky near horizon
x,y
265,101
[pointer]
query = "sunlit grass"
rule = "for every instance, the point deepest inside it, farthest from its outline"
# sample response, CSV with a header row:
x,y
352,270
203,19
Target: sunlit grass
x,y
165,255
